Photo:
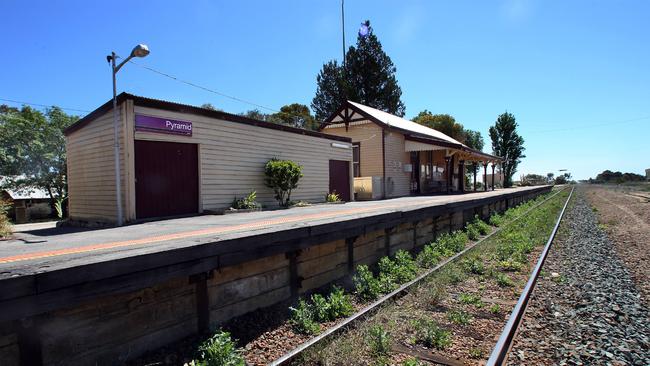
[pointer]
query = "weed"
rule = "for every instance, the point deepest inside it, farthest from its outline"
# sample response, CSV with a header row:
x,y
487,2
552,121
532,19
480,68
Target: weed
x,y
246,203
454,275
302,318
435,294
473,265
366,285
320,308
476,353
472,232
340,304
510,265
495,309
332,197
411,362
429,334
496,220
219,350
378,340
471,299
429,257
504,280
602,227
482,226
459,317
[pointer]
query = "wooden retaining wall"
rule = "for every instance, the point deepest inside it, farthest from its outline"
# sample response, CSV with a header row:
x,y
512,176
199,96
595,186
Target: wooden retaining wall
x,y
121,325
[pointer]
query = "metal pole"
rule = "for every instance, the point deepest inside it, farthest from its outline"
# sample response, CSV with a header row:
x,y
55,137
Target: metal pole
x,y
118,183
343,26
493,176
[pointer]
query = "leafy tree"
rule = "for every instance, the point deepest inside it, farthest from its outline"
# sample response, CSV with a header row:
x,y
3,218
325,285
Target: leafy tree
x,y
330,90
563,179
256,114
507,144
295,115
474,139
32,149
210,107
608,176
444,123
282,176
368,77
550,177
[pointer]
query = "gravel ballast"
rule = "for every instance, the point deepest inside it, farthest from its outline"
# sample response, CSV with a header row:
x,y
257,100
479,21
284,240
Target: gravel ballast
x,y
585,309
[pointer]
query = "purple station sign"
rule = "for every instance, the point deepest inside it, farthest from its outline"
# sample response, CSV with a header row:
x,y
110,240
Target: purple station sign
x,y
162,125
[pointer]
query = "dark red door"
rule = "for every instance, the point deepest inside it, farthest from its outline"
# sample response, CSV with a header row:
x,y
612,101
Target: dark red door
x,y
166,179
340,178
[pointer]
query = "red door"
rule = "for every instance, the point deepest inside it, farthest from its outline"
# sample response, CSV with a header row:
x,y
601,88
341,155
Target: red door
x,y
166,179
340,178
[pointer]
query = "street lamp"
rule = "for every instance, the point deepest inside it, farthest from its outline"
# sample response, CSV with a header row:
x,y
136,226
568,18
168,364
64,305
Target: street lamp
x,y
140,50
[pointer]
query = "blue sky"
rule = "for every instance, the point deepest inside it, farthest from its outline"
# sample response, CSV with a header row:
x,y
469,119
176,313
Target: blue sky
x,y
576,74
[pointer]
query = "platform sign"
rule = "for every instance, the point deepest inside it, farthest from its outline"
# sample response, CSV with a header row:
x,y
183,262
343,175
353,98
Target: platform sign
x,y
162,125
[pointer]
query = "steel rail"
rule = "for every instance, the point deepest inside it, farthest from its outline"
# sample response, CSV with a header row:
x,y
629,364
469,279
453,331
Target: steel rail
x,y
291,355
504,344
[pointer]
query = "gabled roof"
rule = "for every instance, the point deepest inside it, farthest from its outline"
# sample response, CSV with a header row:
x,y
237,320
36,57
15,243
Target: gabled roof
x,y
185,108
351,111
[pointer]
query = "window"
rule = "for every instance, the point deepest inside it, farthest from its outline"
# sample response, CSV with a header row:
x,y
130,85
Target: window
x,y
356,159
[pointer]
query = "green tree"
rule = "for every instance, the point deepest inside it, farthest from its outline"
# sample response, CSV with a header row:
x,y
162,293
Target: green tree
x,y
368,77
32,149
474,139
508,144
444,123
295,115
256,114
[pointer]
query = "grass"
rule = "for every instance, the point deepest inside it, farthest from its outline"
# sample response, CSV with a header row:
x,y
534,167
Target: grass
x,y
470,299
219,350
459,317
431,335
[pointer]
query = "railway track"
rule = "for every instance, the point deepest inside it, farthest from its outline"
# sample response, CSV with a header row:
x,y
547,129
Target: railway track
x,y
499,354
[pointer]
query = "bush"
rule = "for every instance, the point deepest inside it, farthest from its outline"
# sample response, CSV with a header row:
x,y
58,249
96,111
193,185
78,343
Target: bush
x,y
472,232
320,308
378,340
340,304
302,318
366,285
246,203
219,350
429,334
5,226
282,176
332,197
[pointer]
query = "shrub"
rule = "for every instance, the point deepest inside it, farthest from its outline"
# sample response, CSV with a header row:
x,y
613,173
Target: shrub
x,y
459,317
246,203
378,340
340,304
481,226
282,176
366,285
5,227
302,319
332,197
429,334
220,350
472,232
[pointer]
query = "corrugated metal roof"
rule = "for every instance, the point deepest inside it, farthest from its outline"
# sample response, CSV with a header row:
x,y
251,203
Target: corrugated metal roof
x,y
405,124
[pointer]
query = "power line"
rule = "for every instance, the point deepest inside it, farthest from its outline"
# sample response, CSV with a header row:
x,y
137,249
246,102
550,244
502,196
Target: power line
x,y
42,105
202,87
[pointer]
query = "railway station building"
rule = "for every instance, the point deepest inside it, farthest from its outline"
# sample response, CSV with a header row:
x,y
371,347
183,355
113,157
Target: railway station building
x,y
178,159
395,157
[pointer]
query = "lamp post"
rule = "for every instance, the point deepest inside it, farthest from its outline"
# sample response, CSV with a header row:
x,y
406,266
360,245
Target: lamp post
x,y
140,50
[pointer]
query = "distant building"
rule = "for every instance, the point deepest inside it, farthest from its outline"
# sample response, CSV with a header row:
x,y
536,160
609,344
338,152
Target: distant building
x,y
27,204
647,174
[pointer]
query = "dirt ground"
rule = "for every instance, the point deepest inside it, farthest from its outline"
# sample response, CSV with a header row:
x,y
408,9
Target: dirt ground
x,y
624,213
